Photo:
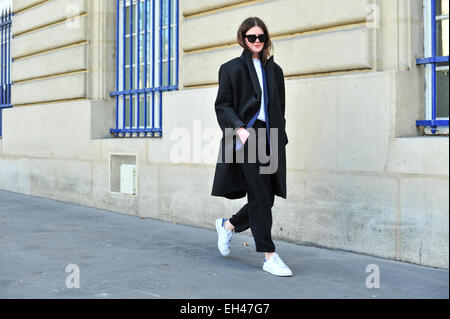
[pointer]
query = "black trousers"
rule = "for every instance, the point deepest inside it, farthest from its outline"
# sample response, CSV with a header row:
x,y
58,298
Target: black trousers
x,y
257,213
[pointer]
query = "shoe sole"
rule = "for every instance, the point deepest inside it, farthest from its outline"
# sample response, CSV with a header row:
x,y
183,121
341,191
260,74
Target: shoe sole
x,y
275,274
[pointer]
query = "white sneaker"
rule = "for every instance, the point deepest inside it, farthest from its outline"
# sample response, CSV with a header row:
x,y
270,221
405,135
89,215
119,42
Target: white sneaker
x,y
224,237
276,266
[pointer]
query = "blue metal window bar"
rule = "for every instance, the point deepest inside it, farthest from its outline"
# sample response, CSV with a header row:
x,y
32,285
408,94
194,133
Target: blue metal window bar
x,y
433,61
146,64
5,48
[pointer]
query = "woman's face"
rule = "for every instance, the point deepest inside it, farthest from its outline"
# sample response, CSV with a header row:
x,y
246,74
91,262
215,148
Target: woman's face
x,y
257,46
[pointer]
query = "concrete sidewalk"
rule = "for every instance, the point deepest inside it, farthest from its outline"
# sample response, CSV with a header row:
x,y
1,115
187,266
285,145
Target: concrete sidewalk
x,y
121,256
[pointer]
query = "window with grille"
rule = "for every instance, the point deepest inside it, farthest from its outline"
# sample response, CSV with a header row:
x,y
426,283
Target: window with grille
x,y
5,55
146,64
436,23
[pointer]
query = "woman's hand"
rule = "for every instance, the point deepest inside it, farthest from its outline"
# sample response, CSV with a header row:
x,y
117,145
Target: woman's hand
x,y
243,134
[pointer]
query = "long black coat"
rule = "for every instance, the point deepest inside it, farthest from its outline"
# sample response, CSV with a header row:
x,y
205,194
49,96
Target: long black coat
x,y
238,100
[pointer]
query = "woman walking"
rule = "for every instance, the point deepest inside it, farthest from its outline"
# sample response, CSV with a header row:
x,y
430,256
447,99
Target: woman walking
x,y
251,98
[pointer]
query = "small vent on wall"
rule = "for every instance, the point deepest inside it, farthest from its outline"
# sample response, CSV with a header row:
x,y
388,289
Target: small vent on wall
x,y
122,174
128,179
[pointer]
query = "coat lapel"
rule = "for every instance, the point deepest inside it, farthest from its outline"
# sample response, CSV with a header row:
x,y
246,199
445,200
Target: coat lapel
x,y
247,56
271,84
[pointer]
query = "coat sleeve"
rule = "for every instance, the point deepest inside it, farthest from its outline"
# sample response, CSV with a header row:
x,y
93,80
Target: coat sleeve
x,y
226,115
282,94
283,99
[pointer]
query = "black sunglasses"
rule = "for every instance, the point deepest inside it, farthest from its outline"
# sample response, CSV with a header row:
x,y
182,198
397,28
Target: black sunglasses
x,y
252,37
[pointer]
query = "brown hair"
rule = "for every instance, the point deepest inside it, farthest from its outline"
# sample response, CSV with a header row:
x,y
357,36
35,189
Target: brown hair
x,y
246,25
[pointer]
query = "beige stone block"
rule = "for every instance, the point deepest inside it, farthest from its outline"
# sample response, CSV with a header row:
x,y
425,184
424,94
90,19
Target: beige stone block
x,y
419,155
207,61
312,59
185,196
65,179
22,4
15,175
51,37
102,118
306,54
424,221
311,123
197,6
148,190
409,102
100,179
364,121
220,27
64,87
47,13
50,130
23,133
338,122
54,62
350,212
